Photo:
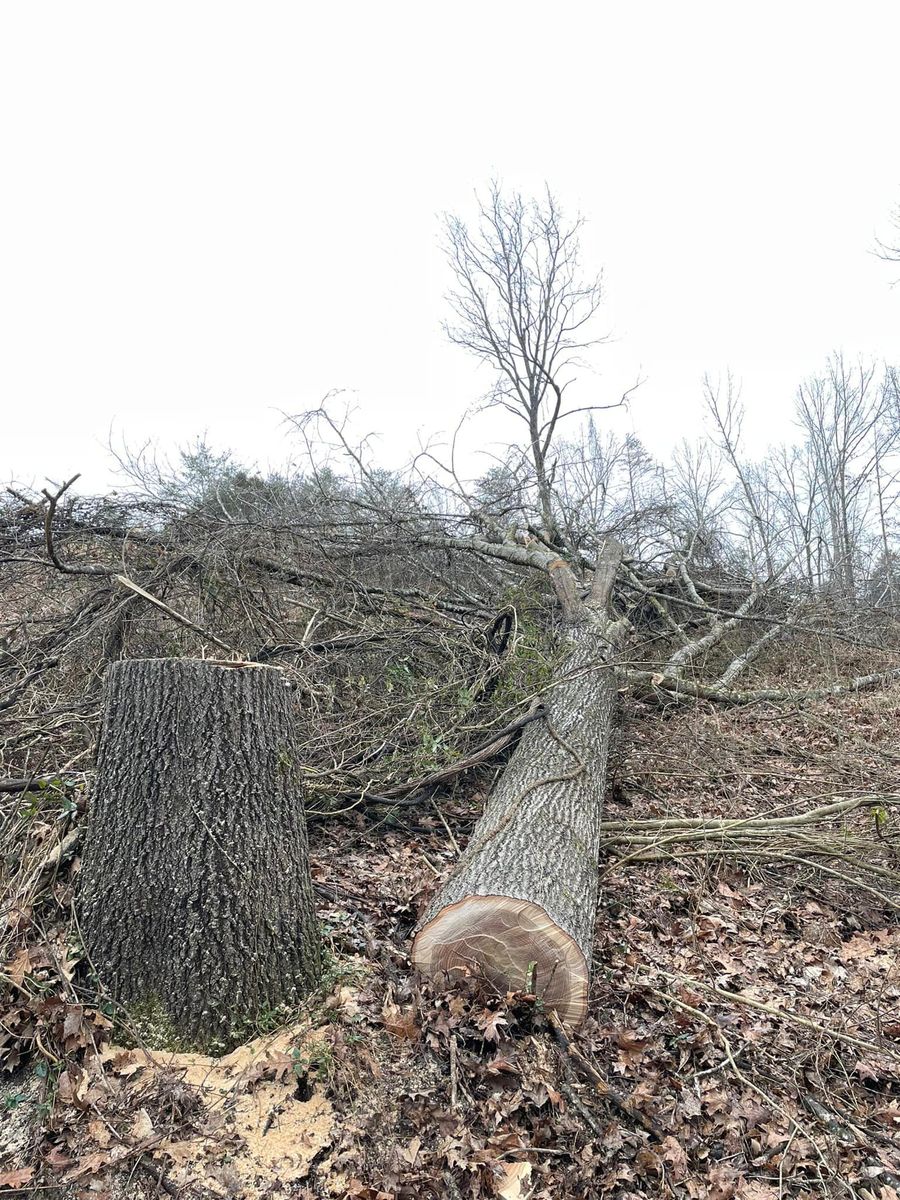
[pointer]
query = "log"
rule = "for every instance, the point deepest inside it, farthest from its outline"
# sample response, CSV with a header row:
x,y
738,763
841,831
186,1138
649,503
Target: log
x,y
196,898
519,908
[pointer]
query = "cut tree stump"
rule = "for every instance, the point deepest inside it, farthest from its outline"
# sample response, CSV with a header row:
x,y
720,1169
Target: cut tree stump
x,y
197,903
520,905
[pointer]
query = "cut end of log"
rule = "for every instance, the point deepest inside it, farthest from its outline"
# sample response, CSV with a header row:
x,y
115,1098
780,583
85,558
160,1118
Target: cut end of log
x,y
513,944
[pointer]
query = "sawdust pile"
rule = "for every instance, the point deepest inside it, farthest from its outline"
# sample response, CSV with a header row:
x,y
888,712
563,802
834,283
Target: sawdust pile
x,y
261,1121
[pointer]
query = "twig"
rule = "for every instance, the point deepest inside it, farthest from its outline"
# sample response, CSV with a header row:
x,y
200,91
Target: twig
x,y
453,842
175,616
13,786
52,501
410,794
454,1071
573,1055
158,1174
837,1035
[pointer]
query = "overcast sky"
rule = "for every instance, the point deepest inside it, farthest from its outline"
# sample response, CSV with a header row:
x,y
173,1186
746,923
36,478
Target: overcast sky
x,y
214,212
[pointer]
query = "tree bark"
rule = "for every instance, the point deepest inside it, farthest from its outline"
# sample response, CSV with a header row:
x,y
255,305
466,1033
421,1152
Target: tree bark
x,y
520,906
197,904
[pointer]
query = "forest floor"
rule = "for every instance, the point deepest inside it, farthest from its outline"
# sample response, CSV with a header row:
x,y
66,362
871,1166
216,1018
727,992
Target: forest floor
x,y
743,1038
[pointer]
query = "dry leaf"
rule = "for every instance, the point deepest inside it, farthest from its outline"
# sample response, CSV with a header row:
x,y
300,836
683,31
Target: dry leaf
x,y
753,1189
58,1158
411,1153
400,1021
15,1179
100,1133
141,1126
347,1002
489,1023
676,1156
278,1065
126,1062
73,1021
87,1166
19,966
72,1085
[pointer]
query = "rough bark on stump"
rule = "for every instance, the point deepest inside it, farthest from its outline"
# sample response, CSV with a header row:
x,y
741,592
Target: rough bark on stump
x,y
197,903
520,905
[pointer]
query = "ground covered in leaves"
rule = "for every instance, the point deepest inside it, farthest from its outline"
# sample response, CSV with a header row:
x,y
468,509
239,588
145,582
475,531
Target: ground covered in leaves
x,y
743,1039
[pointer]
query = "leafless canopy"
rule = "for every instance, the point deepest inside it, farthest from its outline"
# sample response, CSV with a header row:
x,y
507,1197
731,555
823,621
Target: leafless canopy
x,y
522,305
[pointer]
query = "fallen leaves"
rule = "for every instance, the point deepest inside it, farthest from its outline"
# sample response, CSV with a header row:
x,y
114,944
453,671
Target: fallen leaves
x,y
141,1127
16,1179
401,1022
418,1093
491,1023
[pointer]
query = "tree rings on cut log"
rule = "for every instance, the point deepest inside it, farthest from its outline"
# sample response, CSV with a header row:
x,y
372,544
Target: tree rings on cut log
x,y
512,944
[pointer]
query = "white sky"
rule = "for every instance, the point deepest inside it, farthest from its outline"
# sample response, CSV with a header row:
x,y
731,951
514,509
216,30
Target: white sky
x,y
210,212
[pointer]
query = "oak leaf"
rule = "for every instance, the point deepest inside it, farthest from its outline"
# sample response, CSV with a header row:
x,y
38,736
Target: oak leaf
x,y
489,1023
19,966
16,1179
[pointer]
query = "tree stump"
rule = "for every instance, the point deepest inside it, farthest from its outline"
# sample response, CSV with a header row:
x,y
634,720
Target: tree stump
x,y
197,902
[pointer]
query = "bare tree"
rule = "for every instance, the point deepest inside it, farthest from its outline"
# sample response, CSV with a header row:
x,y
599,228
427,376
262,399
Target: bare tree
x,y
794,493
522,305
728,416
604,482
698,500
845,415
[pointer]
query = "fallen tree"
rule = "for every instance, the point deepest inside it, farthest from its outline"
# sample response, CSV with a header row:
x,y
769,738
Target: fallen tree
x,y
519,908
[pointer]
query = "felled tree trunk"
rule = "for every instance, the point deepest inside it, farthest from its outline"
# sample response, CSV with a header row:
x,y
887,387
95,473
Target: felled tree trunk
x,y
520,906
197,904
